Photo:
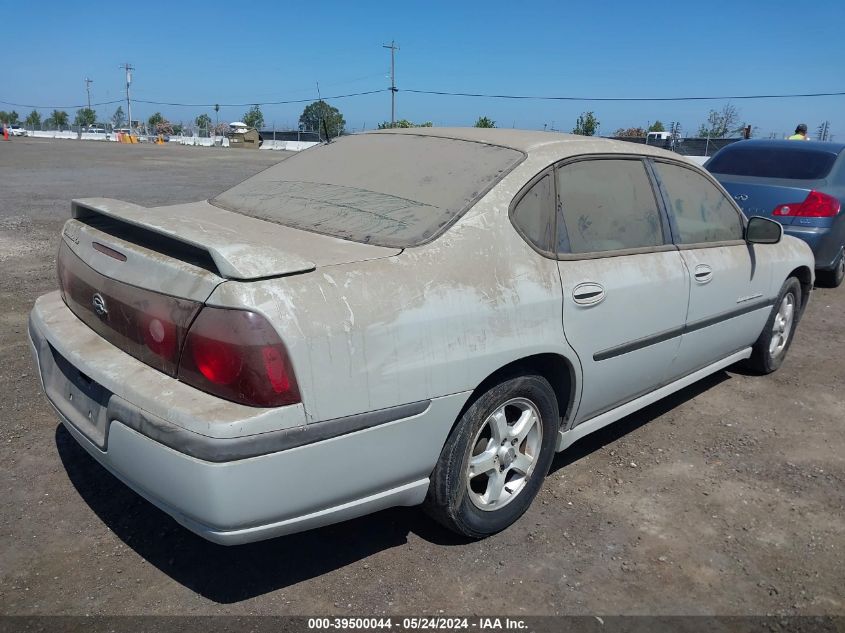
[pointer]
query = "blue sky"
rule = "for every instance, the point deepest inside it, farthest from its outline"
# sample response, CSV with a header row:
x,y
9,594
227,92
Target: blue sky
x,y
207,52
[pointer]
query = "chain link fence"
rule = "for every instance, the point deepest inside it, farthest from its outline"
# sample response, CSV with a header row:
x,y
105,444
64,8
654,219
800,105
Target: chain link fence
x,y
684,146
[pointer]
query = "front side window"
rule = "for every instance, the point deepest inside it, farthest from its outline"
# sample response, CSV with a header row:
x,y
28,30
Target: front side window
x,y
533,215
701,211
607,205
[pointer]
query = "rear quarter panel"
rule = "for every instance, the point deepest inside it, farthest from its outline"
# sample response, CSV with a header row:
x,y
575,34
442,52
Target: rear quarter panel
x,y
434,320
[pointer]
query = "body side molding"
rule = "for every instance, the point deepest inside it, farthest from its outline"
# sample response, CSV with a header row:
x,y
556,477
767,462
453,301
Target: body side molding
x,y
567,438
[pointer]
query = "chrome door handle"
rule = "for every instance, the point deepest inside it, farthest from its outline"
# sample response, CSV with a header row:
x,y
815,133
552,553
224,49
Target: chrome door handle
x,y
703,273
588,293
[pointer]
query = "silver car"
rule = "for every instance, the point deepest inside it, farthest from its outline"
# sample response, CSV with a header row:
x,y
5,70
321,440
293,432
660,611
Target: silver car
x,y
402,317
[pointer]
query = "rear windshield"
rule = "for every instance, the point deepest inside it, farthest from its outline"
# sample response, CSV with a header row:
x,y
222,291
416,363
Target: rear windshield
x,y
387,189
773,162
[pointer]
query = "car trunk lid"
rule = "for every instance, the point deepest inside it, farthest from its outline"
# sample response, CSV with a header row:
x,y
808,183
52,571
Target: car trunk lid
x,y
761,198
229,244
139,277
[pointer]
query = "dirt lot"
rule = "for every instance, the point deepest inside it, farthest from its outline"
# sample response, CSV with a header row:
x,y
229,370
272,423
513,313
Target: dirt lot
x,y
728,498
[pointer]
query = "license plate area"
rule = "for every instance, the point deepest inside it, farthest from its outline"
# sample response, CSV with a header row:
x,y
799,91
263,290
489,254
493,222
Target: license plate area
x,y
83,401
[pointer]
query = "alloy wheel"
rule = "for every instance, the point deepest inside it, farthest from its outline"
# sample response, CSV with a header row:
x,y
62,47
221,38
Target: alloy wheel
x,y
504,454
782,326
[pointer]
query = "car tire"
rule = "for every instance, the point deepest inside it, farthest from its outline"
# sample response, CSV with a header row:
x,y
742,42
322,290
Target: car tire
x,y
495,458
833,278
771,347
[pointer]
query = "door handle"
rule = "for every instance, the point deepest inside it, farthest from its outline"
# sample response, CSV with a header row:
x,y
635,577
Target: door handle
x,y
703,273
588,293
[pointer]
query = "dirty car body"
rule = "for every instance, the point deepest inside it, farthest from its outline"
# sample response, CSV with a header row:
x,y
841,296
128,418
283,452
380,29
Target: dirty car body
x,y
304,348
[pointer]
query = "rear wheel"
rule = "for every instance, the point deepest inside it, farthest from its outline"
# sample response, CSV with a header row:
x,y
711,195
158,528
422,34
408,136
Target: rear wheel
x,y
496,457
770,349
833,278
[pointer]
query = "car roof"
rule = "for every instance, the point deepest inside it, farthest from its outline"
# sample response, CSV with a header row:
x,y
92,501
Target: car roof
x,y
529,141
815,146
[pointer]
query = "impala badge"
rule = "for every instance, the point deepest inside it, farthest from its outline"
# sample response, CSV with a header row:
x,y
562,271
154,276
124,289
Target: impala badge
x,y
99,305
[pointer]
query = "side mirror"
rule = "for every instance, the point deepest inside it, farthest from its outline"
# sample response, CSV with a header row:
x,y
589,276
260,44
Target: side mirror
x,y
763,231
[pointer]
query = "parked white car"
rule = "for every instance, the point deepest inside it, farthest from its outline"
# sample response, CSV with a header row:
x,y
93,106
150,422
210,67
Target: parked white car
x,y
16,130
401,317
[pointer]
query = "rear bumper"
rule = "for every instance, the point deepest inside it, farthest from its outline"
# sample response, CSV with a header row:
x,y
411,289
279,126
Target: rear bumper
x,y
236,489
823,242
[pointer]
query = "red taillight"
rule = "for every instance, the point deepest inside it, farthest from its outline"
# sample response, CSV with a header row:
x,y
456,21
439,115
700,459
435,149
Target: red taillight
x,y
148,325
816,205
237,355
219,362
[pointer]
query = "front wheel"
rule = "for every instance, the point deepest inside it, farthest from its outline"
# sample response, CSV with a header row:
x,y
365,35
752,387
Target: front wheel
x,y
771,347
496,457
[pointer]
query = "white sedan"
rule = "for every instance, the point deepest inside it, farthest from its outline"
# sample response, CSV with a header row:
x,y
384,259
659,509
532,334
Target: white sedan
x,y
401,317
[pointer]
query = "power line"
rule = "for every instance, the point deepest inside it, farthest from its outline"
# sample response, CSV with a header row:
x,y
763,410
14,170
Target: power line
x,y
192,105
252,103
435,92
58,107
541,98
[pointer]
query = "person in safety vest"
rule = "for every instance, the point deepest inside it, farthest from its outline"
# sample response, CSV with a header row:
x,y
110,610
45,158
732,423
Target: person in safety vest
x,y
800,133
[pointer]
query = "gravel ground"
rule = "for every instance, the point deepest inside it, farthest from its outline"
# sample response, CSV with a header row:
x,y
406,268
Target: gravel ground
x,y
727,498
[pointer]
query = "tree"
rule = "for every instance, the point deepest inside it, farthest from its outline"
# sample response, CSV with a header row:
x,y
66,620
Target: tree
x,y
675,130
403,123
587,124
57,119
155,119
118,117
657,126
33,120
8,117
484,121
254,117
85,117
823,131
165,127
320,116
203,122
630,132
720,123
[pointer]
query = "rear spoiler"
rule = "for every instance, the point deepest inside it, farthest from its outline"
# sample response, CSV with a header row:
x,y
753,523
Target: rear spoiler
x,y
229,244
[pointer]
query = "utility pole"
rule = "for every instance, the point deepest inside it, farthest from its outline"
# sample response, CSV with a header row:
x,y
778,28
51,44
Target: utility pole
x,y
128,68
393,48
88,83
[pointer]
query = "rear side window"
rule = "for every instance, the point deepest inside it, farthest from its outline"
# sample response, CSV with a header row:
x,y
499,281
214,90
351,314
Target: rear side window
x,y
772,162
702,213
607,205
533,214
